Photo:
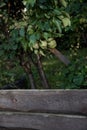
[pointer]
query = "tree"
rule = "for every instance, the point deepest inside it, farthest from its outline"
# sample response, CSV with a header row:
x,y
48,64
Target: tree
x,y
31,27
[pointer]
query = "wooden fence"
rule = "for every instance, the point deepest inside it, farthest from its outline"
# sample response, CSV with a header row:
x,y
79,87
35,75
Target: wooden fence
x,y
43,110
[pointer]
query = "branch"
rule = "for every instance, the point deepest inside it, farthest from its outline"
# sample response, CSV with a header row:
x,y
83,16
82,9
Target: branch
x,y
59,55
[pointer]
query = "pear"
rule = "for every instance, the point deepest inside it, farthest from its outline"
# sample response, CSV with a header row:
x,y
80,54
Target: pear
x,y
43,44
52,44
50,39
36,51
36,46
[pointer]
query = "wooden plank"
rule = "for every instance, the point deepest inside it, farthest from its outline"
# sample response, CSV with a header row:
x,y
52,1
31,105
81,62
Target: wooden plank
x,y
3,128
54,101
42,121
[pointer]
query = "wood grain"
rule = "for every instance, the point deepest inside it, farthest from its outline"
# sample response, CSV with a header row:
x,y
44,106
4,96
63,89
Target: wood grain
x,y
54,101
43,110
43,121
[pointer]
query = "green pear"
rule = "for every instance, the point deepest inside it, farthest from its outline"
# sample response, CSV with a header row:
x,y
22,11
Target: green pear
x,y
50,39
43,44
36,46
52,44
36,51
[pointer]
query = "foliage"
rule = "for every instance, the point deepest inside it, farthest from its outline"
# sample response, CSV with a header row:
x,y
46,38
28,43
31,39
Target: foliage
x,y
32,27
74,77
77,33
41,20
59,76
9,72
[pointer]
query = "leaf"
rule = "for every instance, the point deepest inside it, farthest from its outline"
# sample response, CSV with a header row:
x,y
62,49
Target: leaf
x,y
24,44
56,12
66,22
33,38
14,46
47,16
41,52
66,14
46,35
64,3
2,4
22,32
78,79
31,2
58,25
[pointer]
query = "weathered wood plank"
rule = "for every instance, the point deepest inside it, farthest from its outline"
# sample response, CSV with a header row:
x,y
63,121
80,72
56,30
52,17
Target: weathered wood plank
x,y
55,101
39,121
3,128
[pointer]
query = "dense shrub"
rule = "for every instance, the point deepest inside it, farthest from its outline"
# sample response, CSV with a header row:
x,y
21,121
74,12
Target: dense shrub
x,y
75,75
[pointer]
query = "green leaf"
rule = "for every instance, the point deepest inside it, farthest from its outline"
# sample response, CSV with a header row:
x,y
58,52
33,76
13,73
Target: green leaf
x,y
33,38
57,24
31,2
66,22
66,14
78,79
57,12
22,32
46,35
2,4
64,3
41,53
24,44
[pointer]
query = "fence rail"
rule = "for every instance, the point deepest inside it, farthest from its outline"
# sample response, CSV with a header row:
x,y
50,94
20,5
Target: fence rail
x,y
43,109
